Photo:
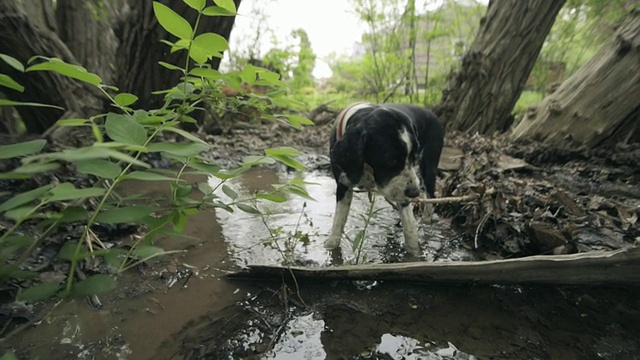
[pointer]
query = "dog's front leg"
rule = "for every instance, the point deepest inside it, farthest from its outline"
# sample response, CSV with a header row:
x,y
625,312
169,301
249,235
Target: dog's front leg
x,y
410,229
344,195
427,213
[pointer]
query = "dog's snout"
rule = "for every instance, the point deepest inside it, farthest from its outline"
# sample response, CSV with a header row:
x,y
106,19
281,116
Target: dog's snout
x,y
412,192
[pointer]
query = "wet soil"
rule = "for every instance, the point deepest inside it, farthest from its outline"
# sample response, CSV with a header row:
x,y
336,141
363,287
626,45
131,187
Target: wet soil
x,y
182,307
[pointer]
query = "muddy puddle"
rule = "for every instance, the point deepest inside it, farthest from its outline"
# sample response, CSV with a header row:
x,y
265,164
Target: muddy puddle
x,y
182,307
302,225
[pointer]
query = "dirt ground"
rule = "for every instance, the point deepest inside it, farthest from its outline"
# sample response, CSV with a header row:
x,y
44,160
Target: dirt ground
x,y
532,199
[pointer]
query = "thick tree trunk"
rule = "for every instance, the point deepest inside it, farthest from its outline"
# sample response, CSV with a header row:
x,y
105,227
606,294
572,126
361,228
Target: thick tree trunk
x,y
140,49
27,29
119,40
480,96
600,104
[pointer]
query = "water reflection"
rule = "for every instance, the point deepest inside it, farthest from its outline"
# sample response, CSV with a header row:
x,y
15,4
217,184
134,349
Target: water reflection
x,y
249,239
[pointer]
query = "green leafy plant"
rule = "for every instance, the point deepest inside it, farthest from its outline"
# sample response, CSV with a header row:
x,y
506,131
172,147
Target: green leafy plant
x,y
121,140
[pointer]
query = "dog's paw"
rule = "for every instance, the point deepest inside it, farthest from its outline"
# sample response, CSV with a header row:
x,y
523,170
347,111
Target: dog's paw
x,y
332,243
415,251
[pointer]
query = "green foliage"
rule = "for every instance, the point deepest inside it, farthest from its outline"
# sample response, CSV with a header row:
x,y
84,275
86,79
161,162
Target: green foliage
x,y
131,133
406,52
581,28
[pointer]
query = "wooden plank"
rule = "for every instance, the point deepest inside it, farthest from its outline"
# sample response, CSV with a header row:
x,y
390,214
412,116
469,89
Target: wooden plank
x,y
620,267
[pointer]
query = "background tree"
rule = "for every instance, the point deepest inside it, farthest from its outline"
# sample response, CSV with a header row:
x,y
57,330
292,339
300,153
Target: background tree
x,y
407,50
600,104
117,39
480,96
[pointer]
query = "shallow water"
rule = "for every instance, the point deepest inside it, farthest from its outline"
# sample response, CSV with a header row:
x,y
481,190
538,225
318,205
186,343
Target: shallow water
x,y
245,234
161,313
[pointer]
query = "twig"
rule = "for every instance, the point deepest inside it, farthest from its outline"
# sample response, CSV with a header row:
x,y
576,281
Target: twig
x,y
479,228
446,200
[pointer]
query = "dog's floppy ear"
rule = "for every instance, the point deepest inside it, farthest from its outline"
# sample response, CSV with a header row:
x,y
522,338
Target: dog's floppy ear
x,y
348,154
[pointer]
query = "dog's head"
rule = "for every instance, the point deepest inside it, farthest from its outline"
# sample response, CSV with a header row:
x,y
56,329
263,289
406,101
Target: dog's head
x,y
385,140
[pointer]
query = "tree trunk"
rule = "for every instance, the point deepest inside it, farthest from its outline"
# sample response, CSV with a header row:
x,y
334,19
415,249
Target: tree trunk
x,y
600,104
480,96
119,40
25,34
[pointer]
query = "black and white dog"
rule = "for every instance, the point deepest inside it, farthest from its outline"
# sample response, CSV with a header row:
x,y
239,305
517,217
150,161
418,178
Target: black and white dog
x,y
382,146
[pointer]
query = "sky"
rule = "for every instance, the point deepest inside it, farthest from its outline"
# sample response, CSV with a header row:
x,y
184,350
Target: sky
x,y
331,25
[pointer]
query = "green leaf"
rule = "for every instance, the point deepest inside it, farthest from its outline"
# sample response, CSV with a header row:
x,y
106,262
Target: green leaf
x,y
72,122
125,99
73,214
196,4
39,292
186,135
35,168
179,221
21,149
272,197
207,45
25,197
229,192
253,160
228,5
101,168
8,82
129,214
126,158
179,149
147,176
204,167
68,251
217,11
289,161
9,355
285,150
69,70
94,285
125,129
147,251
114,257
7,102
19,241
172,21
298,121
249,74
13,62
67,191
19,213
13,243
170,66
357,241
206,73
299,191
248,209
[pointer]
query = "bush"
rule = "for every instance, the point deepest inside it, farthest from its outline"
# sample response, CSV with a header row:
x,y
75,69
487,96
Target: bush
x,y
121,138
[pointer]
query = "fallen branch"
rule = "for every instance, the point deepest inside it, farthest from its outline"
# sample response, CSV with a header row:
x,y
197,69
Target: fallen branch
x,y
620,267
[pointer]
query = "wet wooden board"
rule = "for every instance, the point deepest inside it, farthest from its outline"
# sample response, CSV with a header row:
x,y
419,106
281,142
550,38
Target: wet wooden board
x,y
620,267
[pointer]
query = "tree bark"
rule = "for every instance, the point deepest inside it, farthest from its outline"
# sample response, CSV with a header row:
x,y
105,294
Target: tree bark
x,y
27,29
119,40
480,96
600,104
